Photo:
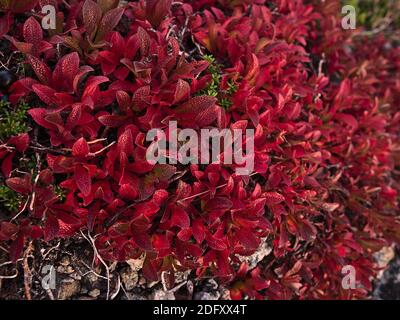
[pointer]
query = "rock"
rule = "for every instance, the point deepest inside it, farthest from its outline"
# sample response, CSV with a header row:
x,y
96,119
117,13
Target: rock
x,y
209,291
75,275
207,295
387,286
61,269
162,295
134,296
65,269
94,293
91,277
129,278
69,270
383,258
225,294
65,261
68,288
136,264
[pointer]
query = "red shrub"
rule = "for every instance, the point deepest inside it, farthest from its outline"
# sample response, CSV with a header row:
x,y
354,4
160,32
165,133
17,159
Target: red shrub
x,y
324,193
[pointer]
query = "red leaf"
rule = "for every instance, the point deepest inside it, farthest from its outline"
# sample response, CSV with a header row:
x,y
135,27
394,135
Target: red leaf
x,y
179,218
161,242
41,70
196,105
144,40
193,250
215,243
81,73
92,85
147,208
32,32
111,120
45,93
156,10
7,230
20,185
218,203
253,69
80,148
67,218
124,101
184,234
66,70
51,228
20,141
273,198
74,116
16,248
348,119
182,91
108,22
247,238
141,238
199,231
127,191
38,115
82,179
46,176
6,165
91,13
160,196
125,142
150,270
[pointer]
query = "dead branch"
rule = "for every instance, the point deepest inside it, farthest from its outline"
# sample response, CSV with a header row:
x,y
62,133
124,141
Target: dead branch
x,y
27,272
98,256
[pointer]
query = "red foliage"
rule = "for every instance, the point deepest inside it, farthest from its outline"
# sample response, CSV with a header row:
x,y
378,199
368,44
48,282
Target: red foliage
x,y
324,193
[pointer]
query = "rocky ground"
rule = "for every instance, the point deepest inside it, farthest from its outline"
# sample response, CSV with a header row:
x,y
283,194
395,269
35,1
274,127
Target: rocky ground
x,y
388,285
77,276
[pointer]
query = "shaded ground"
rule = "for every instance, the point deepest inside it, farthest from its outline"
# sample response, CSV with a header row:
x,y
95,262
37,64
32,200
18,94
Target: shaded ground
x,y
77,277
388,287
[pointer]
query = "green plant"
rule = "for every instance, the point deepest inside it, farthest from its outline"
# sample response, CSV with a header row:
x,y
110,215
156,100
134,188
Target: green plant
x,y
10,199
214,87
12,120
374,14
60,192
215,71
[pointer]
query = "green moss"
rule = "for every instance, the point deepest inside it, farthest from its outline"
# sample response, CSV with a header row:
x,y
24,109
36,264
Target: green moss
x,y
12,120
60,192
9,199
232,87
215,70
225,103
214,87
